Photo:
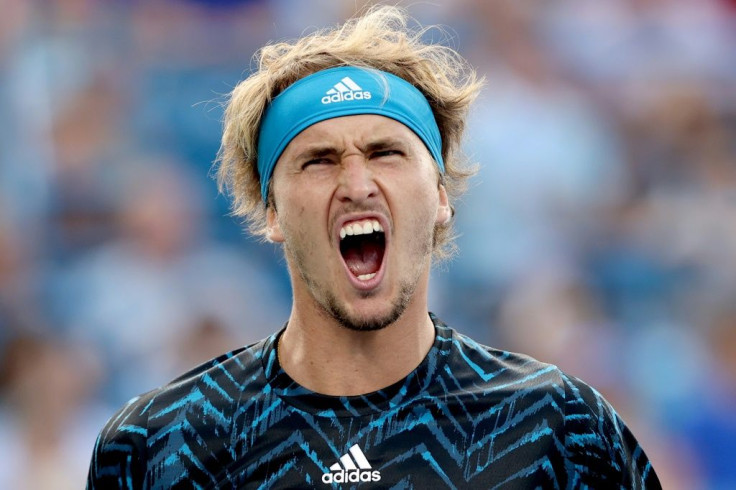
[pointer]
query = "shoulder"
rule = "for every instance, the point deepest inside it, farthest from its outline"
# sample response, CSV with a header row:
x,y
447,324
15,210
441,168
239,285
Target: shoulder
x,y
599,446
499,369
498,383
592,426
201,399
591,442
121,446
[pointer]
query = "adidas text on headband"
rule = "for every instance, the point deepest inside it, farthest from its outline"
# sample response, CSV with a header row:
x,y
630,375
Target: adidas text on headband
x,y
337,92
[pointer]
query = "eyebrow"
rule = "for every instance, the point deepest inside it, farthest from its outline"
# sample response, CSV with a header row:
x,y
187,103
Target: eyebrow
x,y
385,143
318,150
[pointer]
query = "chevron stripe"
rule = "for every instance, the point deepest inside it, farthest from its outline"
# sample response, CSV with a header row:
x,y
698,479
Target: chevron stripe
x,y
468,417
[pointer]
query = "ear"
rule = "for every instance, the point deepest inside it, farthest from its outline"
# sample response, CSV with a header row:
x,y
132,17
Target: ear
x,y
273,230
444,210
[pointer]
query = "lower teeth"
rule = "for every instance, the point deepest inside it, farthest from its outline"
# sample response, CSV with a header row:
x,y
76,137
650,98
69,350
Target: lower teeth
x,y
365,277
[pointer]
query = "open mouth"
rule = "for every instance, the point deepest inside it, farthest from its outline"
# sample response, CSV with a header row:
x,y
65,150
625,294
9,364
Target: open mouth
x,y
362,246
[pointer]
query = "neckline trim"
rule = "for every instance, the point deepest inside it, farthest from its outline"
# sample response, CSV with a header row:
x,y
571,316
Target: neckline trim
x,y
378,401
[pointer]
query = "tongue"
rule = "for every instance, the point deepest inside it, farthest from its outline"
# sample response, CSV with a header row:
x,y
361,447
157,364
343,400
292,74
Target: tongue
x,y
365,259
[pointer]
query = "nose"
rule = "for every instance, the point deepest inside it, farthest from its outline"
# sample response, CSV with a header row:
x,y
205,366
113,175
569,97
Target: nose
x,y
356,182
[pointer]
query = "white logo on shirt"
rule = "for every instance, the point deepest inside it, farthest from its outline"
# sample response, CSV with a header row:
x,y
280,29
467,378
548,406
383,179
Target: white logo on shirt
x,y
351,469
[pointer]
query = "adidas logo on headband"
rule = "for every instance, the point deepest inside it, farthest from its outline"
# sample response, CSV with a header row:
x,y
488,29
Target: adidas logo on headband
x,y
345,89
385,94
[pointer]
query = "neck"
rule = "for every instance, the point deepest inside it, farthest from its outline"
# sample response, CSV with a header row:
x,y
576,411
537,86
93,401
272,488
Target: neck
x,y
325,357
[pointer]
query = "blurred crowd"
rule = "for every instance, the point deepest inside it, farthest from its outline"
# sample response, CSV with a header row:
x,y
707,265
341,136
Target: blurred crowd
x,y
599,233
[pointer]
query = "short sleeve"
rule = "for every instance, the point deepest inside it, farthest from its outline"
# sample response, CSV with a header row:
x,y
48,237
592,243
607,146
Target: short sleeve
x,y
600,450
119,456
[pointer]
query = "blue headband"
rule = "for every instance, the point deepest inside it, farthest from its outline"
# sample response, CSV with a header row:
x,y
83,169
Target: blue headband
x,y
337,92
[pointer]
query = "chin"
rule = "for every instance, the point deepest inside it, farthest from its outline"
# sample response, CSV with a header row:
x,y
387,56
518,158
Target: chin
x,y
371,323
371,318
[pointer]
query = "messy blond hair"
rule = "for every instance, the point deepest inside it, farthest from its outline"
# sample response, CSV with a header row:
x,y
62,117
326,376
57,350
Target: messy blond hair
x,y
379,39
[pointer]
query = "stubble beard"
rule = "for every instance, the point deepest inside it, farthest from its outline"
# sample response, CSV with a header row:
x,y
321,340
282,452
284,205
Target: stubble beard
x,y
332,307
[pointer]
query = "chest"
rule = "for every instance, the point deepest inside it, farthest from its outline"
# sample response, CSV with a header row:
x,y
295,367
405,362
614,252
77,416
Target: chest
x,y
452,442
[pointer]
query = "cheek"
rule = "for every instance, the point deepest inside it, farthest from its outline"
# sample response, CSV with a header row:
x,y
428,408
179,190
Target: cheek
x,y
299,218
289,198
430,213
419,210
426,196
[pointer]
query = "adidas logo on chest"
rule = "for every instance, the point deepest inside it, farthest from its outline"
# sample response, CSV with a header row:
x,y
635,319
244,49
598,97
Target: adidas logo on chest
x,y
345,89
353,467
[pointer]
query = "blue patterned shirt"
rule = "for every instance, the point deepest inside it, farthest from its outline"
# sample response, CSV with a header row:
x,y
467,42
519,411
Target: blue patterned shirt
x,y
468,416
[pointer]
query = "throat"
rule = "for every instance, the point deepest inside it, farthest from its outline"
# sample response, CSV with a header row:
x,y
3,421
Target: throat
x,y
359,362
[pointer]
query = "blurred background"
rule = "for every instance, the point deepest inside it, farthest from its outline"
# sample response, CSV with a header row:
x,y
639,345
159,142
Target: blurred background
x,y
599,234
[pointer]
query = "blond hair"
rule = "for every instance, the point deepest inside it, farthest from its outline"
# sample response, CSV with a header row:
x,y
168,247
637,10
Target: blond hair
x,y
380,39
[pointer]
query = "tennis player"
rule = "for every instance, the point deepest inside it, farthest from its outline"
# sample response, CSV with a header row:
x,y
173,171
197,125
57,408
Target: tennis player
x,y
343,147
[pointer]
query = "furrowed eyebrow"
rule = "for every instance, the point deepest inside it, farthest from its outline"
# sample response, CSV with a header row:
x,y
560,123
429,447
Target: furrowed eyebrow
x,y
385,144
319,151
316,152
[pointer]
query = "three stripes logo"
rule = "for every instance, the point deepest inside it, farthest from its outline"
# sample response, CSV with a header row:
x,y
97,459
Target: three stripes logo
x,y
345,89
352,467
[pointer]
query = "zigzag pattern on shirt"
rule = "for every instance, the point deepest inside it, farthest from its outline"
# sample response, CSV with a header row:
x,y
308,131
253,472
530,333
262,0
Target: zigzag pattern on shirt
x,y
468,417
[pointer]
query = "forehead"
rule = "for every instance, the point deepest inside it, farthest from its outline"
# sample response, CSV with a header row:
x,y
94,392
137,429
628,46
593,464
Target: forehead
x,y
358,130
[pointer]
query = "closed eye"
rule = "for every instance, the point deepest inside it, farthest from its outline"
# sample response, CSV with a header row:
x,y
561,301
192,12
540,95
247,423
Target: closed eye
x,y
385,153
316,161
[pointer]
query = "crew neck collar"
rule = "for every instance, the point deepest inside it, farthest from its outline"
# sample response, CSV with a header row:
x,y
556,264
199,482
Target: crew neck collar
x,y
358,405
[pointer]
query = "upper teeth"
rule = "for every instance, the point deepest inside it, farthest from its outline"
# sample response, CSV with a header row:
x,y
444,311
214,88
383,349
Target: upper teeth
x,y
362,227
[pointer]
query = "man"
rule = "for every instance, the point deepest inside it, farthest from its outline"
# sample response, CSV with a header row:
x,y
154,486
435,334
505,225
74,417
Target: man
x,y
343,148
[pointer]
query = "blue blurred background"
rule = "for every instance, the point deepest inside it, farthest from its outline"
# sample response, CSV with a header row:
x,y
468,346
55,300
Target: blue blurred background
x,y
599,235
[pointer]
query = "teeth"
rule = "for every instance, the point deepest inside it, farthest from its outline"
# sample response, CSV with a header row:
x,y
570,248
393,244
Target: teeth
x,y
361,228
365,277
